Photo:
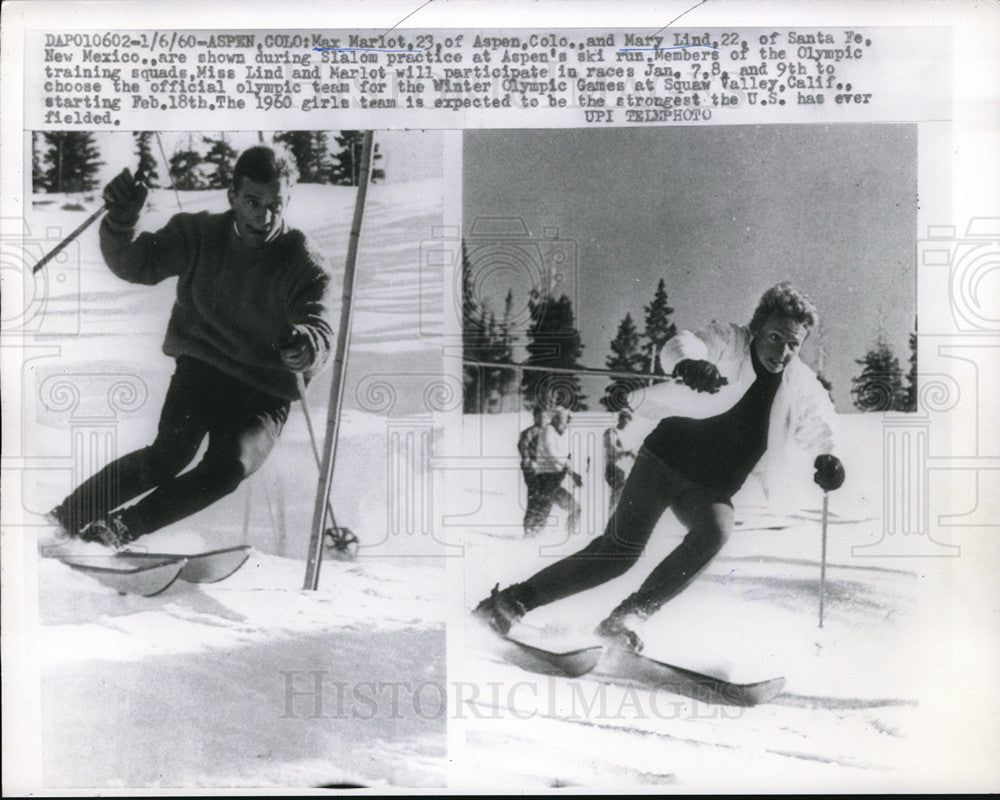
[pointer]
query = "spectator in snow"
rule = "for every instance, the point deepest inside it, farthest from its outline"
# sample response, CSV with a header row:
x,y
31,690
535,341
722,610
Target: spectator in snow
x,y
552,467
617,459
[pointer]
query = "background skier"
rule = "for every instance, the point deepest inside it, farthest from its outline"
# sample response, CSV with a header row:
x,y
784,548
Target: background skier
x,y
245,281
617,459
760,398
553,465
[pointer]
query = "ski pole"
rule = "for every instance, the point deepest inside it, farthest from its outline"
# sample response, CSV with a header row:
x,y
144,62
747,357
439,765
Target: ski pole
x,y
342,538
822,563
301,383
69,239
140,177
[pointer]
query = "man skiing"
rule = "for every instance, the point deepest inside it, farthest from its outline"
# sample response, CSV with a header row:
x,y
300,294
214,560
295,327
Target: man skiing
x,y
617,460
553,465
251,310
744,395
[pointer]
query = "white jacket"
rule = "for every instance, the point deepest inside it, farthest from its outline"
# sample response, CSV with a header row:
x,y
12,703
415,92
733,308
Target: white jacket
x,y
553,450
801,412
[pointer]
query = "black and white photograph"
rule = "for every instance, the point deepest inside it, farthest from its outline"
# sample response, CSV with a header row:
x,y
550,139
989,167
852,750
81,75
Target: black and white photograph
x,y
688,345
547,396
181,418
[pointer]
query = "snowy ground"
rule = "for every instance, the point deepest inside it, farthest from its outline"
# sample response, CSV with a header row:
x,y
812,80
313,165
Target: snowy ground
x,y
850,717
216,686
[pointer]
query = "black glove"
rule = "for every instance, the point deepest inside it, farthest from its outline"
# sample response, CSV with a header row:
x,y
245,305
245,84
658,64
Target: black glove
x,y
295,349
125,197
577,480
829,472
702,376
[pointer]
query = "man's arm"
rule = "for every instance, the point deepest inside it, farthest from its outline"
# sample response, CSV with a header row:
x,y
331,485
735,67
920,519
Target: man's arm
x,y
313,332
149,258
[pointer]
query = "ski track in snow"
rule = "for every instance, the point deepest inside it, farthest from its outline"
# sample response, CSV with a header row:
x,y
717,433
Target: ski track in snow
x,y
191,687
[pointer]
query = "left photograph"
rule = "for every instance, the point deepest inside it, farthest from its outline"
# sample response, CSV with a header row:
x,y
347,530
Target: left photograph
x,y
230,391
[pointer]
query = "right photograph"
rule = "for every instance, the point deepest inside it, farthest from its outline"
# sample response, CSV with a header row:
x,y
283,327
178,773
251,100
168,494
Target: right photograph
x,y
682,351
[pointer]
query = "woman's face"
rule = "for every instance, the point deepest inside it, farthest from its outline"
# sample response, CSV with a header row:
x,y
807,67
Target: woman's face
x,y
777,341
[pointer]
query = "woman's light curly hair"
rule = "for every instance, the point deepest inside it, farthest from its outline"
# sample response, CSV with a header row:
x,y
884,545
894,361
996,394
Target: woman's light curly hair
x,y
787,301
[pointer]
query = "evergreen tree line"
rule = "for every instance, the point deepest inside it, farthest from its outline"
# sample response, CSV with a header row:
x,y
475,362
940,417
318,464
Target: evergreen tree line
x,y
553,343
69,161
882,385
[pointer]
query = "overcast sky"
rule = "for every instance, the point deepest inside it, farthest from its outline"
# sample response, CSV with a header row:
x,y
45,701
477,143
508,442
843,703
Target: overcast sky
x,y
721,213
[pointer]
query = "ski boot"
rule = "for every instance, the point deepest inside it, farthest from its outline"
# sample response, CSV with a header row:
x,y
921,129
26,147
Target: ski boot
x,y
57,519
501,610
110,532
620,627
619,630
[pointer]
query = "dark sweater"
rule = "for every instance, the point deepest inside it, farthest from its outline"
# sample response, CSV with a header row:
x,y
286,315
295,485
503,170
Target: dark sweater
x,y
719,452
232,300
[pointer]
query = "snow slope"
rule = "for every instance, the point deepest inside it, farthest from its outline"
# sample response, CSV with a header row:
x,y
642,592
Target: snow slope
x,y
850,717
197,687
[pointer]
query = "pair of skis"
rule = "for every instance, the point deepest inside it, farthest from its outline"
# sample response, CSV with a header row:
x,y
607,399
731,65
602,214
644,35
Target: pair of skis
x,y
149,574
621,663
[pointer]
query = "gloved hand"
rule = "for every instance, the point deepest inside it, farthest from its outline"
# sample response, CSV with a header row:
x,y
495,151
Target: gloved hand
x,y
295,349
702,376
829,472
125,197
577,479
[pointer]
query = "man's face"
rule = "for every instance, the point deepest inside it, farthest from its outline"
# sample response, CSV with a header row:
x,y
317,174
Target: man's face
x,y
623,420
559,422
258,208
777,341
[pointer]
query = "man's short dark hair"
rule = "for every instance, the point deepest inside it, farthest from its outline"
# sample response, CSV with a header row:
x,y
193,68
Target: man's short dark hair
x,y
786,301
265,164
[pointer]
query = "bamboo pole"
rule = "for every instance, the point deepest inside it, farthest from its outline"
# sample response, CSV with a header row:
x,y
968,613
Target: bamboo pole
x,y
315,555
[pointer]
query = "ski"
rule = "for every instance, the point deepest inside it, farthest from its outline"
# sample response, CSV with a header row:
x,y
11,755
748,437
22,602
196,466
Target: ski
x,y
148,574
148,579
642,669
210,566
573,658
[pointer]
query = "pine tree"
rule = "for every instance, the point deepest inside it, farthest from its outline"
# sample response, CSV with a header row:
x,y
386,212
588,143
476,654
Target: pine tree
x,y
223,158
147,162
484,341
311,152
472,342
879,387
625,357
73,160
553,341
911,377
185,170
346,167
659,328
501,344
39,181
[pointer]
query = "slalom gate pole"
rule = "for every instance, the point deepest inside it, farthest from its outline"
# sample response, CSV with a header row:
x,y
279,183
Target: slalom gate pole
x,y
166,166
315,556
822,563
301,383
68,240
